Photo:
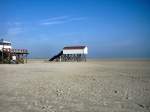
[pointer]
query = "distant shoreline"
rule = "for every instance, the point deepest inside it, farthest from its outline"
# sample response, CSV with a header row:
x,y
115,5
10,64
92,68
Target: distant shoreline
x,y
100,59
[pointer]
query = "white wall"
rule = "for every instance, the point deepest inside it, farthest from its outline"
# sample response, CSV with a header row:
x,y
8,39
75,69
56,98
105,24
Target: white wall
x,y
75,51
85,50
5,46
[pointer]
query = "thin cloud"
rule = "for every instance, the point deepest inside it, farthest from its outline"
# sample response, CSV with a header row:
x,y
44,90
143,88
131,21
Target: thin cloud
x,y
52,22
56,18
14,28
60,20
15,31
14,24
77,19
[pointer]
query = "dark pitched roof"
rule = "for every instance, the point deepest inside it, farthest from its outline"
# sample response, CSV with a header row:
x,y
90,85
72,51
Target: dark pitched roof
x,y
74,47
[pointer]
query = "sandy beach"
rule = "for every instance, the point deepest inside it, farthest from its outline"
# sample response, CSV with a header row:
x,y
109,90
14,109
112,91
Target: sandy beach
x,y
92,86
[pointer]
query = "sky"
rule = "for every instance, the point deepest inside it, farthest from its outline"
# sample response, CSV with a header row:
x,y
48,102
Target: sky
x,y
110,28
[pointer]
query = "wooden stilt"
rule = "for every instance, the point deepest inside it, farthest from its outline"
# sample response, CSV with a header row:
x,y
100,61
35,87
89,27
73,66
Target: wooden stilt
x,y
26,58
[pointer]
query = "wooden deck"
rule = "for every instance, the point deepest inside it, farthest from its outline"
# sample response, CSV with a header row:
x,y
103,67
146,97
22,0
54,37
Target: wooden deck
x,y
21,55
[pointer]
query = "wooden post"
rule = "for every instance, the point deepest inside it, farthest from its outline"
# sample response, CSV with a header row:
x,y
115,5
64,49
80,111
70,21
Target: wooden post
x,y
26,58
3,54
84,57
9,55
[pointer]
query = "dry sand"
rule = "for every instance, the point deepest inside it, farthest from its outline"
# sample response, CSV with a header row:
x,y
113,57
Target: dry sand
x,y
93,86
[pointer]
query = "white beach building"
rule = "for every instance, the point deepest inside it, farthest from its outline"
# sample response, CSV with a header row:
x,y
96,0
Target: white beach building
x,y
71,53
8,54
75,50
5,44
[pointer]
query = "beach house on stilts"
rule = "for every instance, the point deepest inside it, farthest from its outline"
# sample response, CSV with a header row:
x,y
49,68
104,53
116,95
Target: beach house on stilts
x,y
10,55
71,53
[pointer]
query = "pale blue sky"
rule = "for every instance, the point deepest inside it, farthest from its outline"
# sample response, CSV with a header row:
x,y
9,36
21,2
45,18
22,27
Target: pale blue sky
x,y
110,28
